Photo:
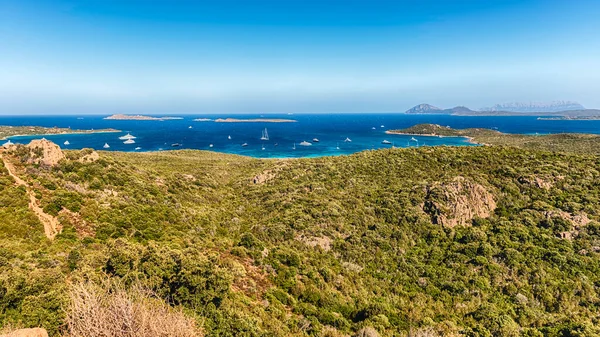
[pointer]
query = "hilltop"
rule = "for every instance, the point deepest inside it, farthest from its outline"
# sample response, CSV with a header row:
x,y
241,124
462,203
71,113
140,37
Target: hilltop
x,y
431,241
555,109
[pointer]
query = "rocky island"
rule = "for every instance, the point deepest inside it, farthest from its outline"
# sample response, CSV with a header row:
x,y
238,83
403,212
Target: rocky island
x,y
122,117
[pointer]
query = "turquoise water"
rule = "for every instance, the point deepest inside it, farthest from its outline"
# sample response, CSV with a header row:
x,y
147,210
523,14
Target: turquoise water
x,y
365,131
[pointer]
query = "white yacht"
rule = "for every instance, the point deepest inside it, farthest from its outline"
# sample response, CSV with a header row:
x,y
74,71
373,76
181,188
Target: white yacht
x,y
129,141
128,136
305,143
210,146
67,142
385,141
315,140
106,146
138,148
382,126
263,147
245,144
347,140
229,137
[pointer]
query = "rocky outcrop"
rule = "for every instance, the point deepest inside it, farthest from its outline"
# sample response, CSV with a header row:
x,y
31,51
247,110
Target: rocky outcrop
x,y
90,157
423,109
457,202
45,152
35,332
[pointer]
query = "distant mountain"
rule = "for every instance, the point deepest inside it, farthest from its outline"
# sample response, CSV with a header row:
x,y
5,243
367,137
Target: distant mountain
x,y
430,109
424,109
554,106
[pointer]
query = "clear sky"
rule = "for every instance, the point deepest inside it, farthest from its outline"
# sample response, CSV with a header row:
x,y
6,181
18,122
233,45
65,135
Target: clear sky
x,y
170,56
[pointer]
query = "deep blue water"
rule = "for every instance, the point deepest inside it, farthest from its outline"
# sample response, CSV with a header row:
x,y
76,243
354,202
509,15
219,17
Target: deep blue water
x,y
330,129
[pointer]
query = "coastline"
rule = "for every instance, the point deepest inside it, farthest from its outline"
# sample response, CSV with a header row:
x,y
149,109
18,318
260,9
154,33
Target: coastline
x,y
74,132
468,138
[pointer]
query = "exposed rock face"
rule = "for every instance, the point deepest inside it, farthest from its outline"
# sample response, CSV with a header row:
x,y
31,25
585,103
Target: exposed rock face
x,y
35,332
49,153
458,202
90,158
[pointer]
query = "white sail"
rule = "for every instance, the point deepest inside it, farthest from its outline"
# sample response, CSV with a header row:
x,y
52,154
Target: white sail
x,y
265,135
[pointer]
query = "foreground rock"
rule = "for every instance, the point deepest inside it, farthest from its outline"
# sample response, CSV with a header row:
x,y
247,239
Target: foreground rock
x,y
45,152
458,202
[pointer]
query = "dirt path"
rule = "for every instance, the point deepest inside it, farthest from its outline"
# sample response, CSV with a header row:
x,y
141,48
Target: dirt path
x,y
51,224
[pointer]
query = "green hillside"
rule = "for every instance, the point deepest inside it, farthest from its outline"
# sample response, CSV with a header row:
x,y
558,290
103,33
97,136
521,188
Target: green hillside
x,y
448,241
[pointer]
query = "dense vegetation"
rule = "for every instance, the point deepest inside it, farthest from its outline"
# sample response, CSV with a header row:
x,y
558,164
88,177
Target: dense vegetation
x,y
564,142
329,246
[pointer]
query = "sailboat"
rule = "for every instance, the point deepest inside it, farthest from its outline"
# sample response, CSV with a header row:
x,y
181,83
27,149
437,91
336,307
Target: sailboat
x,y
189,127
315,140
138,148
263,147
129,141
337,147
347,140
128,136
106,146
67,142
294,146
265,135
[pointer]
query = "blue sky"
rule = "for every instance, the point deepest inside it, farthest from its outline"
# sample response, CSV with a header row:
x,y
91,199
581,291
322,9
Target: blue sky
x,y
168,56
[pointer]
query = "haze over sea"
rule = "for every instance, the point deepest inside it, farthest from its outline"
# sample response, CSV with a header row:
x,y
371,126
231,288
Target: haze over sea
x,y
330,129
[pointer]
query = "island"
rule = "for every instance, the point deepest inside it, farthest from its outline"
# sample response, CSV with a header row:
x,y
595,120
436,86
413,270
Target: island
x,y
13,131
122,117
570,111
202,120
563,142
255,120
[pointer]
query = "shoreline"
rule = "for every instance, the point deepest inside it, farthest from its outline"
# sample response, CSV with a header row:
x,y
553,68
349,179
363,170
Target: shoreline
x,y
74,132
468,138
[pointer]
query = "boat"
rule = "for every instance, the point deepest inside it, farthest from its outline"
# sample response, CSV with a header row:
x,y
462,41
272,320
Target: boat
x,y
382,126
106,146
210,145
265,135
245,144
305,143
190,127
138,148
128,136
347,140
315,140
229,137
263,147
373,128
413,139
67,142
393,146
129,141
386,142
276,144
294,146
7,144
337,147
175,145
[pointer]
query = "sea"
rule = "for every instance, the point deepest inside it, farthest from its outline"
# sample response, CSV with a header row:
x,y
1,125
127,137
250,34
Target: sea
x,y
337,134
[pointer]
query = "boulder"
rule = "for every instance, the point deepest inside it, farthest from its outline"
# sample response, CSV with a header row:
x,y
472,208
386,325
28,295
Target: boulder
x,y
46,151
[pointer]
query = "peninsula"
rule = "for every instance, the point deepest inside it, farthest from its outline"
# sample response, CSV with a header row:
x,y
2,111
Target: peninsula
x,y
7,131
122,117
563,142
255,120
569,111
